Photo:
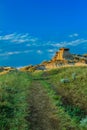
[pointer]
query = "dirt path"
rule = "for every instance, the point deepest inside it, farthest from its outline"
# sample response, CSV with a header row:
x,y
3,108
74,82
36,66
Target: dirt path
x,y
43,113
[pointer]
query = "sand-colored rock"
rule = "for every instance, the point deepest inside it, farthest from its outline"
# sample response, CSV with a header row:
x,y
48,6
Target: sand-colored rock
x,y
62,58
63,54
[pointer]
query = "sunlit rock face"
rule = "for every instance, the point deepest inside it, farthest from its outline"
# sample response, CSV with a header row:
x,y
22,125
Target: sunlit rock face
x,y
63,54
64,58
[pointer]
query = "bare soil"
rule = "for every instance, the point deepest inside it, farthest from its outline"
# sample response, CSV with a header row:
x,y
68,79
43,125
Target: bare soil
x,y
43,112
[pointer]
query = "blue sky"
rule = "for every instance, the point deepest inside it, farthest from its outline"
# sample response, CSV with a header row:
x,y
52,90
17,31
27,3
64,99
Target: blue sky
x,y
33,30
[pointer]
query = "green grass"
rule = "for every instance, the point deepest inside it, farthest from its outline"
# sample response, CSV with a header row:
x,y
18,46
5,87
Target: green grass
x,y
70,98
75,92
73,95
65,121
14,90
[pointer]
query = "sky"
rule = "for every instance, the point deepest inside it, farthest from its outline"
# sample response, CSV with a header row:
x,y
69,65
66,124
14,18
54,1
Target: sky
x,y
31,31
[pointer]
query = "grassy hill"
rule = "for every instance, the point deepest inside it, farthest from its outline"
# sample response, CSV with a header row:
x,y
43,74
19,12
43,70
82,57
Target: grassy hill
x,y
45,100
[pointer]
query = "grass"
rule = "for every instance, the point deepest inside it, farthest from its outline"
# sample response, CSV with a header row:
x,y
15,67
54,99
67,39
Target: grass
x,y
69,99
75,92
65,121
73,95
14,90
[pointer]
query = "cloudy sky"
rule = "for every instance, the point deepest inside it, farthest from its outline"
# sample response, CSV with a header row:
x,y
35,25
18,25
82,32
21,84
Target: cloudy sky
x,y
33,30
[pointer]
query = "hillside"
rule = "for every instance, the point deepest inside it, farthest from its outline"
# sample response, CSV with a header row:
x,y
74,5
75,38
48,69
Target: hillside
x,y
47,100
62,58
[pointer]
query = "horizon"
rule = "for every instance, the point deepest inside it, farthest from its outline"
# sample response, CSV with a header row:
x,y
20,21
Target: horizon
x,y
18,67
32,31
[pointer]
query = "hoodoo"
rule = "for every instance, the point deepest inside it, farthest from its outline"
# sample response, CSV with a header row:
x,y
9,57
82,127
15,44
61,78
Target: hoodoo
x,y
62,55
62,58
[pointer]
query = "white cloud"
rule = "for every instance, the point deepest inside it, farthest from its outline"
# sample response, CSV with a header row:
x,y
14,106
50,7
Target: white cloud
x,y
51,50
10,53
76,42
17,38
7,37
30,41
74,35
39,51
71,43
15,52
25,35
58,44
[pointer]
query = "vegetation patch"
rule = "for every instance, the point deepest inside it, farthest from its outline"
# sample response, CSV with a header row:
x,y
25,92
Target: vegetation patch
x,y
54,99
14,90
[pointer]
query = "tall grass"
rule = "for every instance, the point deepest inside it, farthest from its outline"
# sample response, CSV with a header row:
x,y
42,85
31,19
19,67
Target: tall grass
x,y
14,90
65,121
73,94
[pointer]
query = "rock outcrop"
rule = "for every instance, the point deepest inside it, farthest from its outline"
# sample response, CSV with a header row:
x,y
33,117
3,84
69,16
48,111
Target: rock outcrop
x,y
62,58
5,70
63,54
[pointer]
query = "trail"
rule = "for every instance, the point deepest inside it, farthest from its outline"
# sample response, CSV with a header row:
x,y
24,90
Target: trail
x,y
43,113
